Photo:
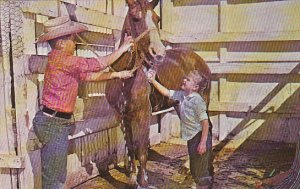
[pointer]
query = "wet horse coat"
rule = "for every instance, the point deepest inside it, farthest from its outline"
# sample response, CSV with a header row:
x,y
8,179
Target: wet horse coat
x,y
134,98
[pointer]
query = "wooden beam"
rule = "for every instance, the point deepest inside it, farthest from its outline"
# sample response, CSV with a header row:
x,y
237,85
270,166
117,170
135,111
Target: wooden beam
x,y
37,65
253,68
263,56
81,14
208,56
11,161
25,94
217,106
231,37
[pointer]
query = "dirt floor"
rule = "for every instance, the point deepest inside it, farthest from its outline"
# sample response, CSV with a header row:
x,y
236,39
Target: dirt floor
x,y
248,164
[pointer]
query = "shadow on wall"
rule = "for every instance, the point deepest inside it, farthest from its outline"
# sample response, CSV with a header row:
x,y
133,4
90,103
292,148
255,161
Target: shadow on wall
x,y
95,143
281,124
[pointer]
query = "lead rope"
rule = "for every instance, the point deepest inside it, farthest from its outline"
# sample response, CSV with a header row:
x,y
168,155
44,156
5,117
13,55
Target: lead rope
x,y
122,116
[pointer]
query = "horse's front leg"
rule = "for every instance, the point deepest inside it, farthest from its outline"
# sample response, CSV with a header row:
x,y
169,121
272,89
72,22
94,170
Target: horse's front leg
x,y
131,154
141,132
142,157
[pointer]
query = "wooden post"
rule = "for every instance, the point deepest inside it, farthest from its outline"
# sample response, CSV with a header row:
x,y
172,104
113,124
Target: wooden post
x,y
58,8
25,93
8,177
221,87
222,16
167,23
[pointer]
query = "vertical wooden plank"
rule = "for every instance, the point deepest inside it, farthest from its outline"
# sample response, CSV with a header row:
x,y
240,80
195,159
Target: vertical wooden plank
x,y
94,147
222,85
167,21
222,27
222,126
100,143
25,93
42,48
84,150
97,148
115,141
223,55
29,33
8,179
221,88
105,144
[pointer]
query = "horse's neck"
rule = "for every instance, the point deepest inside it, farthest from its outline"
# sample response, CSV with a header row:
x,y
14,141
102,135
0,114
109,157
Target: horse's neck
x,y
125,62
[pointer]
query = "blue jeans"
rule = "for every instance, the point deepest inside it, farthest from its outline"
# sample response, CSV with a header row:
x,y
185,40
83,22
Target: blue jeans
x,y
53,134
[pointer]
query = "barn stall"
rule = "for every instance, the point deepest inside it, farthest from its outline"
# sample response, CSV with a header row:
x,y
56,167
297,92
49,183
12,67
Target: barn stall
x,y
252,48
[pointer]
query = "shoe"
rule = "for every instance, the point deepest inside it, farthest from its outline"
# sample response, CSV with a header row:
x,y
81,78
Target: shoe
x,y
193,186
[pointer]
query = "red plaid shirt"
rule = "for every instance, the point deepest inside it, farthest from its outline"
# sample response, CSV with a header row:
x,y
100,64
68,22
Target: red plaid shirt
x,y
62,77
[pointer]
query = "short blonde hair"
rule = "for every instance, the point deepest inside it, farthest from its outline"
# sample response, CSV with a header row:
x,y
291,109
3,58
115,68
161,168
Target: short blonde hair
x,y
199,80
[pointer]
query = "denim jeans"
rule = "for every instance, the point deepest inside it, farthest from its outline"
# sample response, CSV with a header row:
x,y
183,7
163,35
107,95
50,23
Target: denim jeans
x,y
201,165
53,134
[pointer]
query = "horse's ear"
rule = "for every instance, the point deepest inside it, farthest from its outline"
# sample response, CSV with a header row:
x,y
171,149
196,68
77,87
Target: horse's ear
x,y
154,3
130,2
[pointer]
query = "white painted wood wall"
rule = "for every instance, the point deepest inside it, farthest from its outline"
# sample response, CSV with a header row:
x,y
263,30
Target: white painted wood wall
x,y
254,63
253,51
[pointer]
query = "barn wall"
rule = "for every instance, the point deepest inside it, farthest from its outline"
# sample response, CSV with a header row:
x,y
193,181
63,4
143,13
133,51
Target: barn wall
x,y
8,177
253,50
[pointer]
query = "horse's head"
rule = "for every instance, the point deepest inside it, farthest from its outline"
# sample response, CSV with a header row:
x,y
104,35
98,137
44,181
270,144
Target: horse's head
x,y
141,17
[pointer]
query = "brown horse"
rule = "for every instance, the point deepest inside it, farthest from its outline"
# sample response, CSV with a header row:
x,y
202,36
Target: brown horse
x,y
134,98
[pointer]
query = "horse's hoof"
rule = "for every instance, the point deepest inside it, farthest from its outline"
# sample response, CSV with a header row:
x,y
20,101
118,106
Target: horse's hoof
x,y
143,185
139,187
133,180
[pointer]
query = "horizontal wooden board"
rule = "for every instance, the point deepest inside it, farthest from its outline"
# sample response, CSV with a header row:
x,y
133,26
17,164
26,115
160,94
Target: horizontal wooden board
x,y
262,56
83,15
37,64
216,106
219,37
255,68
11,161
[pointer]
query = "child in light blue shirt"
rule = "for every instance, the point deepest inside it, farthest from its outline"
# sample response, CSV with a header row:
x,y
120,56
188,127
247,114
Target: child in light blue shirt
x,y
194,124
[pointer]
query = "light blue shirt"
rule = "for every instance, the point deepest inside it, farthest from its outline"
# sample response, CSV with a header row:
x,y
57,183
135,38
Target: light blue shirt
x,y
192,112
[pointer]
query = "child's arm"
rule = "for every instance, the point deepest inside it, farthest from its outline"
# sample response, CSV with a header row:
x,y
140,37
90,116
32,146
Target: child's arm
x,y
163,90
202,145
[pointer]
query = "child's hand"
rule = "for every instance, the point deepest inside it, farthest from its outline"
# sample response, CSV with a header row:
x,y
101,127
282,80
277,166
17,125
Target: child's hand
x,y
201,148
151,75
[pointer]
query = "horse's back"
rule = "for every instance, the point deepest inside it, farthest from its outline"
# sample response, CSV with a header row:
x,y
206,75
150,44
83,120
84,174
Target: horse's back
x,y
177,64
